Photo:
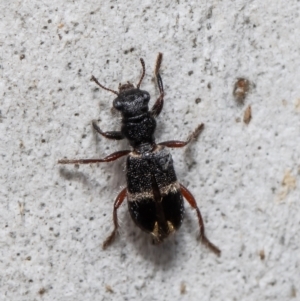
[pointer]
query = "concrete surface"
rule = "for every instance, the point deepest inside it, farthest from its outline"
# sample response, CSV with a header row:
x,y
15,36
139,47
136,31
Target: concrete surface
x,y
53,219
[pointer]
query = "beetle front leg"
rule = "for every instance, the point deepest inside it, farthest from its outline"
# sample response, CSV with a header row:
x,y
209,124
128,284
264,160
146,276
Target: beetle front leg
x,y
189,197
118,202
115,135
177,143
157,107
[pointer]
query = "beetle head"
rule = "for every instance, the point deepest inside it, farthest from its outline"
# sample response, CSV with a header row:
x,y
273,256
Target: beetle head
x,y
131,101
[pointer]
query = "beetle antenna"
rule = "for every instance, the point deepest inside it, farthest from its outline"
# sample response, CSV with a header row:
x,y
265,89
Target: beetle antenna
x,y
94,79
143,74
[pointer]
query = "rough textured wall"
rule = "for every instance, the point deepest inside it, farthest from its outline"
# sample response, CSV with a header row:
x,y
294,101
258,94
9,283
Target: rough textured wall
x,y
53,219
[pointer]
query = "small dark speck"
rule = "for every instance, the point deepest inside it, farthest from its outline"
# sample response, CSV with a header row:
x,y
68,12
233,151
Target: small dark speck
x,y
83,136
210,12
262,254
49,21
104,214
43,140
293,292
46,67
207,162
91,218
59,90
18,254
254,25
107,62
194,59
209,86
45,27
216,191
197,100
42,43
72,88
42,291
111,7
42,205
190,73
69,66
259,147
91,13
76,114
123,257
77,229
51,229
59,81
130,50
22,57
30,280
58,215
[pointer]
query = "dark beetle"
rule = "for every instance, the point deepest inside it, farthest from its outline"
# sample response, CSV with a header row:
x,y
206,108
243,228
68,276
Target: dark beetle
x,y
155,197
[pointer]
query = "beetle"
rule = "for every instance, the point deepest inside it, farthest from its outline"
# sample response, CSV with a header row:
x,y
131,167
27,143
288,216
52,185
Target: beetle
x,y
154,195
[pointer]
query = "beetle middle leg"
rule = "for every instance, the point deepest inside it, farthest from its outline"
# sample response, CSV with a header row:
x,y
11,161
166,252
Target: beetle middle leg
x,y
118,202
115,135
177,143
109,158
189,197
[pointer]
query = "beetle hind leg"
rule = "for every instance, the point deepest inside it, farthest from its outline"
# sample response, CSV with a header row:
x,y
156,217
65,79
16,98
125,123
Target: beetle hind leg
x,y
189,197
118,202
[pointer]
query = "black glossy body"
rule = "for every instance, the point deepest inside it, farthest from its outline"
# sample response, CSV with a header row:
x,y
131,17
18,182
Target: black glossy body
x,y
154,199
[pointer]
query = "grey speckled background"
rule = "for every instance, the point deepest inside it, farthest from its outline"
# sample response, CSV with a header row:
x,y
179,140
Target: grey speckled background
x,y
53,219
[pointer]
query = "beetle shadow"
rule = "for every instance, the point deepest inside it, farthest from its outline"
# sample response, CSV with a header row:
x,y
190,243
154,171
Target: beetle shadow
x,y
74,175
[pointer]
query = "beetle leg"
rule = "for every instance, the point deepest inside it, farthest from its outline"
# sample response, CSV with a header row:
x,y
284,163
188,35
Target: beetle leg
x,y
157,107
191,200
109,158
116,135
118,202
177,143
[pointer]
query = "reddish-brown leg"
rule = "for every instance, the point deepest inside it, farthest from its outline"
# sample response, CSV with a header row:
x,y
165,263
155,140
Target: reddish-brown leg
x,y
176,143
118,202
115,135
109,158
189,197
158,106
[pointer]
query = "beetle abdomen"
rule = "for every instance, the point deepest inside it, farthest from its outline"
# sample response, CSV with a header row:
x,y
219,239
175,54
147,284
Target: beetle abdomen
x,y
154,197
